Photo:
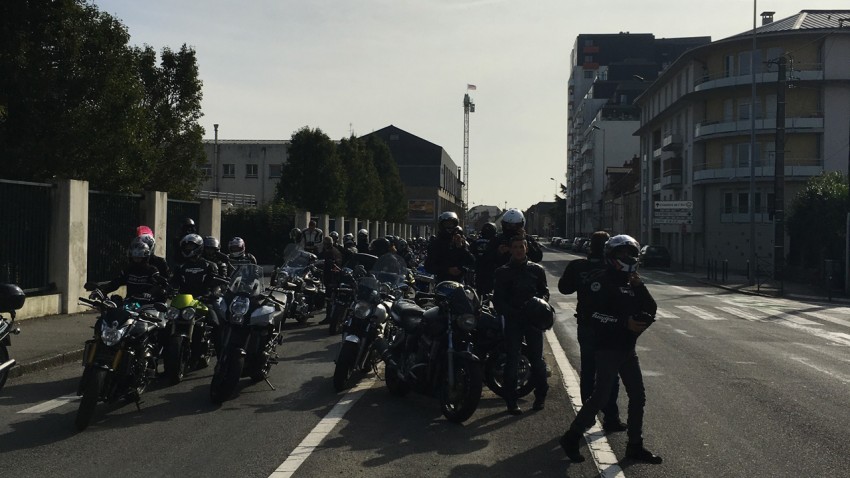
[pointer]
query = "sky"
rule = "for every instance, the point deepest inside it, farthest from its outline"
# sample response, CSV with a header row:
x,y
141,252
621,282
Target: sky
x,y
271,67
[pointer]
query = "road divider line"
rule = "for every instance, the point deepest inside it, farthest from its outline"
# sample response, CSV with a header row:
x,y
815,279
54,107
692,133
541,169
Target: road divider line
x,y
304,449
597,443
701,313
50,404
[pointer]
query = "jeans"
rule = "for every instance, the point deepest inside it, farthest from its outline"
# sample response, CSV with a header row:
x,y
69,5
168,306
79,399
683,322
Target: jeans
x,y
587,376
609,363
515,330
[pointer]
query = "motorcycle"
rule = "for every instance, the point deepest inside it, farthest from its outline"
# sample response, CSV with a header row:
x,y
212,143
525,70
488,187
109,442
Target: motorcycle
x,y
296,279
251,333
365,323
121,360
189,336
490,345
342,291
11,299
432,350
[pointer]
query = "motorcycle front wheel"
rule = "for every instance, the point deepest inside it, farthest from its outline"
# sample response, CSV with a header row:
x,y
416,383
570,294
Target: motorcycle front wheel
x,y
337,313
91,394
345,366
395,385
176,357
458,403
226,377
494,375
4,357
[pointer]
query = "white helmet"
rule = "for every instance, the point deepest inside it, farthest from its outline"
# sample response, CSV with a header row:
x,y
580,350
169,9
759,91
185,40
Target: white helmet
x,y
628,264
512,220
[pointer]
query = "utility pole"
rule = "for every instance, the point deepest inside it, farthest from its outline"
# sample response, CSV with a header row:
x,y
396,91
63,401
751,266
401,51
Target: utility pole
x,y
468,107
215,158
779,176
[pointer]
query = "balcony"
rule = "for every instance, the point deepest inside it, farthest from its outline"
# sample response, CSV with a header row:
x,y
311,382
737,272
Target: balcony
x,y
794,168
802,72
587,186
587,166
656,153
587,146
587,206
671,142
671,177
704,129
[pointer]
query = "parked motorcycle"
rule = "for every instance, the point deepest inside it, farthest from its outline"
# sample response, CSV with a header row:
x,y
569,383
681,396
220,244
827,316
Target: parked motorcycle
x,y
297,278
341,293
121,360
251,333
365,323
11,299
490,347
189,342
432,350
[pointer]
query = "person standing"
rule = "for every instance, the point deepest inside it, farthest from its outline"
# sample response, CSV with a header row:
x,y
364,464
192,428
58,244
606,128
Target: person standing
x,y
619,307
312,237
576,274
516,284
448,255
484,270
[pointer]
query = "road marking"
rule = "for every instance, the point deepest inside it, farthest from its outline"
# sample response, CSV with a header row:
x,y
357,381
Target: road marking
x,y
665,314
790,318
827,318
597,443
658,282
566,305
678,287
702,314
684,332
321,430
665,273
740,313
50,404
832,374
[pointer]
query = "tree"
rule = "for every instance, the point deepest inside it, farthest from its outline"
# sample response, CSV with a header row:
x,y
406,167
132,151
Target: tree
x,y
559,212
312,178
364,196
394,198
817,219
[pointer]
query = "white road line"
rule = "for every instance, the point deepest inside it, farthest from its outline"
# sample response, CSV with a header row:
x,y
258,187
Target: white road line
x,y
832,374
790,318
701,313
320,431
684,332
665,273
606,460
739,313
678,287
50,404
566,305
665,314
828,318
658,282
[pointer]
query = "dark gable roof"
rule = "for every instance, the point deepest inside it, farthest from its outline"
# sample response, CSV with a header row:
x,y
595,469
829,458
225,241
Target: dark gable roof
x,y
805,20
392,129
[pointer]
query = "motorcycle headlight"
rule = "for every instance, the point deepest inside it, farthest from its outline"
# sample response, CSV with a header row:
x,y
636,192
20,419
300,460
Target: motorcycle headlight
x,y
282,277
466,322
188,313
238,308
362,310
111,335
172,313
380,315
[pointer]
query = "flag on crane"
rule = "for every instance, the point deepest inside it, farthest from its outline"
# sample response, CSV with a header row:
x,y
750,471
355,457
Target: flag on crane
x,y
470,87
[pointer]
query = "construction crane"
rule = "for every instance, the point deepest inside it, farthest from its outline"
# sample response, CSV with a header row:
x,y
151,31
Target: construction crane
x,y
468,107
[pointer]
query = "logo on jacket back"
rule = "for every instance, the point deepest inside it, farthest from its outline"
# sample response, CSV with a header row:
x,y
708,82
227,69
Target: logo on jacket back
x,y
603,318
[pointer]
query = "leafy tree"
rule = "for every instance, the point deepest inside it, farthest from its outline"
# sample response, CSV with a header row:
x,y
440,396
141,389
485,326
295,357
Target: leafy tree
x,y
365,195
265,229
817,218
559,212
313,177
394,198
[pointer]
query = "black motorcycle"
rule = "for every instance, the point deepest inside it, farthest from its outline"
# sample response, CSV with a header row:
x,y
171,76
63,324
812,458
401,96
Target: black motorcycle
x,y
365,323
121,360
432,350
251,333
11,299
189,335
298,280
490,347
341,292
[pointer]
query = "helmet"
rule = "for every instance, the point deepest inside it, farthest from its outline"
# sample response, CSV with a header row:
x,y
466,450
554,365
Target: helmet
x,y
379,246
143,230
401,245
488,230
149,240
626,263
362,235
295,234
539,314
139,250
11,297
188,226
334,236
348,237
445,289
191,246
448,220
211,244
236,247
512,220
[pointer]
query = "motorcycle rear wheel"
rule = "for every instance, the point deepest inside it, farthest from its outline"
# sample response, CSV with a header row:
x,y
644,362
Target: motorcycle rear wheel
x,y
4,357
91,395
344,369
459,403
226,377
494,375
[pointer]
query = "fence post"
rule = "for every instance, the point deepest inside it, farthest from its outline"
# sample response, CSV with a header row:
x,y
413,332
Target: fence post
x,y
725,270
373,229
827,265
209,217
155,216
339,227
69,257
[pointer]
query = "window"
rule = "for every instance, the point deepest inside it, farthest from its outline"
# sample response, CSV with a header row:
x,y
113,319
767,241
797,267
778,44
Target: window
x,y
728,156
744,63
728,205
251,170
588,74
729,66
744,154
228,170
588,43
588,58
728,109
743,110
743,203
206,170
274,170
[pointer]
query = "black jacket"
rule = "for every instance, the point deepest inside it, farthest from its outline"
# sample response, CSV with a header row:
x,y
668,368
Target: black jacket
x,y
575,276
610,302
195,277
484,265
515,283
161,266
497,259
442,255
140,279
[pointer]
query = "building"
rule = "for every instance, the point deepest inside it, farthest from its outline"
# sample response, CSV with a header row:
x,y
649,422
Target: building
x,y
538,221
431,178
608,71
244,172
479,215
695,135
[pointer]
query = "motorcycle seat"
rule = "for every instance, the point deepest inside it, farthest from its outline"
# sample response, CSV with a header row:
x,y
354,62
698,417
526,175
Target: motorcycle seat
x,y
409,314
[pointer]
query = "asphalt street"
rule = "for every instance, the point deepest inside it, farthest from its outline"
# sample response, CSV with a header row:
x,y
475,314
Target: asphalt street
x,y
737,385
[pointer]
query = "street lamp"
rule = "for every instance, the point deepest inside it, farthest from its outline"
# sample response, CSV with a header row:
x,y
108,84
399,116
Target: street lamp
x,y
215,158
556,187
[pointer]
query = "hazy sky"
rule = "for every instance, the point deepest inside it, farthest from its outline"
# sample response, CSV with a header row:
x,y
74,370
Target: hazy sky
x,y
270,67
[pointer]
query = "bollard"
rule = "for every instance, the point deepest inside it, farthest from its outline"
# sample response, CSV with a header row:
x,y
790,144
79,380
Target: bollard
x,y
708,269
725,270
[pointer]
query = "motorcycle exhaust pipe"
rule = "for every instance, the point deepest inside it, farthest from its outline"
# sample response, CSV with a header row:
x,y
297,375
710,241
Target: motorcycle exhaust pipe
x,y
11,363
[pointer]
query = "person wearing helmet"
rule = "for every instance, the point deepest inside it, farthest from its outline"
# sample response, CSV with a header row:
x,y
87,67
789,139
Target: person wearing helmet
x,y
380,246
146,235
198,276
619,308
403,250
295,235
237,254
515,284
311,238
484,270
499,248
334,237
362,240
187,227
141,278
212,253
575,276
448,256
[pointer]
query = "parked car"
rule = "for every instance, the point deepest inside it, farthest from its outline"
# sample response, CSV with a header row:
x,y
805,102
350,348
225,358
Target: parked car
x,y
654,256
566,243
555,241
578,243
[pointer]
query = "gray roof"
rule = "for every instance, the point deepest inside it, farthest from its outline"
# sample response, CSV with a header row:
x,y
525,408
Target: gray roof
x,y
805,20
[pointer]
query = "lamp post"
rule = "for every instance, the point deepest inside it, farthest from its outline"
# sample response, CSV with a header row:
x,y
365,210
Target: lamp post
x,y
215,158
597,128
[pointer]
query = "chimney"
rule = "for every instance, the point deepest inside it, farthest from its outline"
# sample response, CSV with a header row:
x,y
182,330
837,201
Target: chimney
x,y
766,18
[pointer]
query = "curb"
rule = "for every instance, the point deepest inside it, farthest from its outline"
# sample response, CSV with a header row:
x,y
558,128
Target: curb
x,y
787,295
46,363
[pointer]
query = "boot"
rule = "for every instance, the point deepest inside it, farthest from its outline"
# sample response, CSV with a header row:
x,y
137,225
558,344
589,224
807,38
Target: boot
x,y
570,443
637,452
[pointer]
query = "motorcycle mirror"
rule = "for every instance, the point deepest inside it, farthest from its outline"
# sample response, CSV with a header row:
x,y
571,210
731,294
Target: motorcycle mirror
x,y
160,307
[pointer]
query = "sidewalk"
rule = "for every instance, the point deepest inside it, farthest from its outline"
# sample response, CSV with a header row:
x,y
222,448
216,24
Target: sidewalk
x,y
790,290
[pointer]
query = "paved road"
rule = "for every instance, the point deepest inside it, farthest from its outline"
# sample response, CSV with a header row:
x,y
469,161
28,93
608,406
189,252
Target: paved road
x,y
737,386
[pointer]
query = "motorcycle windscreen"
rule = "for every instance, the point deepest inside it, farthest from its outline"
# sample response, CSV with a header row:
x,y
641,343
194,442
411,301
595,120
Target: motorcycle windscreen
x,y
247,279
295,257
390,269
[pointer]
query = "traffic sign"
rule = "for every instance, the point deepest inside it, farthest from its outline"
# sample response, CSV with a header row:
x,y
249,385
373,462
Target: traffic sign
x,y
684,213
674,204
671,220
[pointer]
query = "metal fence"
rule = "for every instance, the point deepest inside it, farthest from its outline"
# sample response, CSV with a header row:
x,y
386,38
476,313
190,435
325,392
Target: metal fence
x,y
113,219
178,211
25,214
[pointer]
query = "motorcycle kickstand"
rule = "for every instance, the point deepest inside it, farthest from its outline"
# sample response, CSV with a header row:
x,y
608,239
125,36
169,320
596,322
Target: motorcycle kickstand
x,y
138,403
269,383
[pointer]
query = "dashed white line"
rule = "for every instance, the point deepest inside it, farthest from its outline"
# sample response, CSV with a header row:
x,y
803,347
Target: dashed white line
x,y
665,314
50,404
739,313
702,314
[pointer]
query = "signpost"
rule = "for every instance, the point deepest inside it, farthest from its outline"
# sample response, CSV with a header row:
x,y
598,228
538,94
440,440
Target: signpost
x,y
675,213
